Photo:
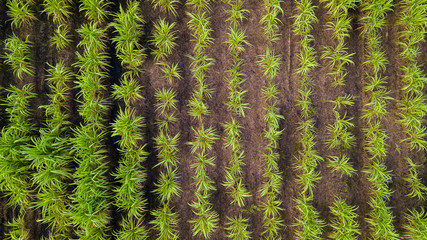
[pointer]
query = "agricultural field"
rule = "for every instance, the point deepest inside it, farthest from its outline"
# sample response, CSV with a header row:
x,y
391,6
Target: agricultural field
x,y
213,119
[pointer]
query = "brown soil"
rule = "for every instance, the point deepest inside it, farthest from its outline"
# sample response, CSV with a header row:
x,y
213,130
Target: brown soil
x,y
355,189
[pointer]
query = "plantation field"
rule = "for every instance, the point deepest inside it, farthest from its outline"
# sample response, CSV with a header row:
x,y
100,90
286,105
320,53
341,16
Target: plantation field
x,y
213,119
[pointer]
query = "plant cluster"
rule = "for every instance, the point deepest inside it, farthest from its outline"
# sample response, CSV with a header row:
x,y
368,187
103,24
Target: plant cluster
x,y
166,5
236,40
15,169
380,217
20,12
91,198
49,155
59,11
15,181
413,106
167,186
129,195
95,10
206,221
339,136
344,224
270,64
18,56
309,223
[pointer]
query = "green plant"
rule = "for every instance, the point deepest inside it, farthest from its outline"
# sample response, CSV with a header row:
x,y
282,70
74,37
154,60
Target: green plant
x,y
61,39
59,10
130,174
416,227
344,225
20,12
166,5
15,180
49,154
163,39
237,228
128,27
18,55
94,9
417,189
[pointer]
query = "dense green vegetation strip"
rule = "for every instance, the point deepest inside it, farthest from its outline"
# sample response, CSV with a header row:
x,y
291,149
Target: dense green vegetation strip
x,y
167,186
380,218
308,224
340,138
237,225
129,196
91,198
270,64
206,220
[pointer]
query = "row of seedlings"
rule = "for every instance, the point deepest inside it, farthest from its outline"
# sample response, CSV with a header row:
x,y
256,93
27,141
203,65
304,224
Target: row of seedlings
x,y
270,65
413,108
129,195
308,224
344,224
15,176
206,220
236,40
49,153
167,186
380,217
91,198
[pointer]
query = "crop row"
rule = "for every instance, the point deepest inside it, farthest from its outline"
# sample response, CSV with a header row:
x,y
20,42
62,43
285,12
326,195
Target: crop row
x,y
340,138
127,127
15,178
91,198
413,106
270,64
167,185
236,40
36,163
380,218
206,220
309,223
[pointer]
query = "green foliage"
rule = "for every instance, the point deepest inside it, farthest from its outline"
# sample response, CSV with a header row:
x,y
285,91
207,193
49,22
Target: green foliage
x,y
14,177
416,187
58,10
270,19
413,108
341,165
206,221
163,39
128,27
170,71
309,222
237,228
91,198
270,62
18,230
18,55
344,225
50,156
237,13
166,222
203,139
61,39
339,134
128,90
166,5
20,12
94,9
416,228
